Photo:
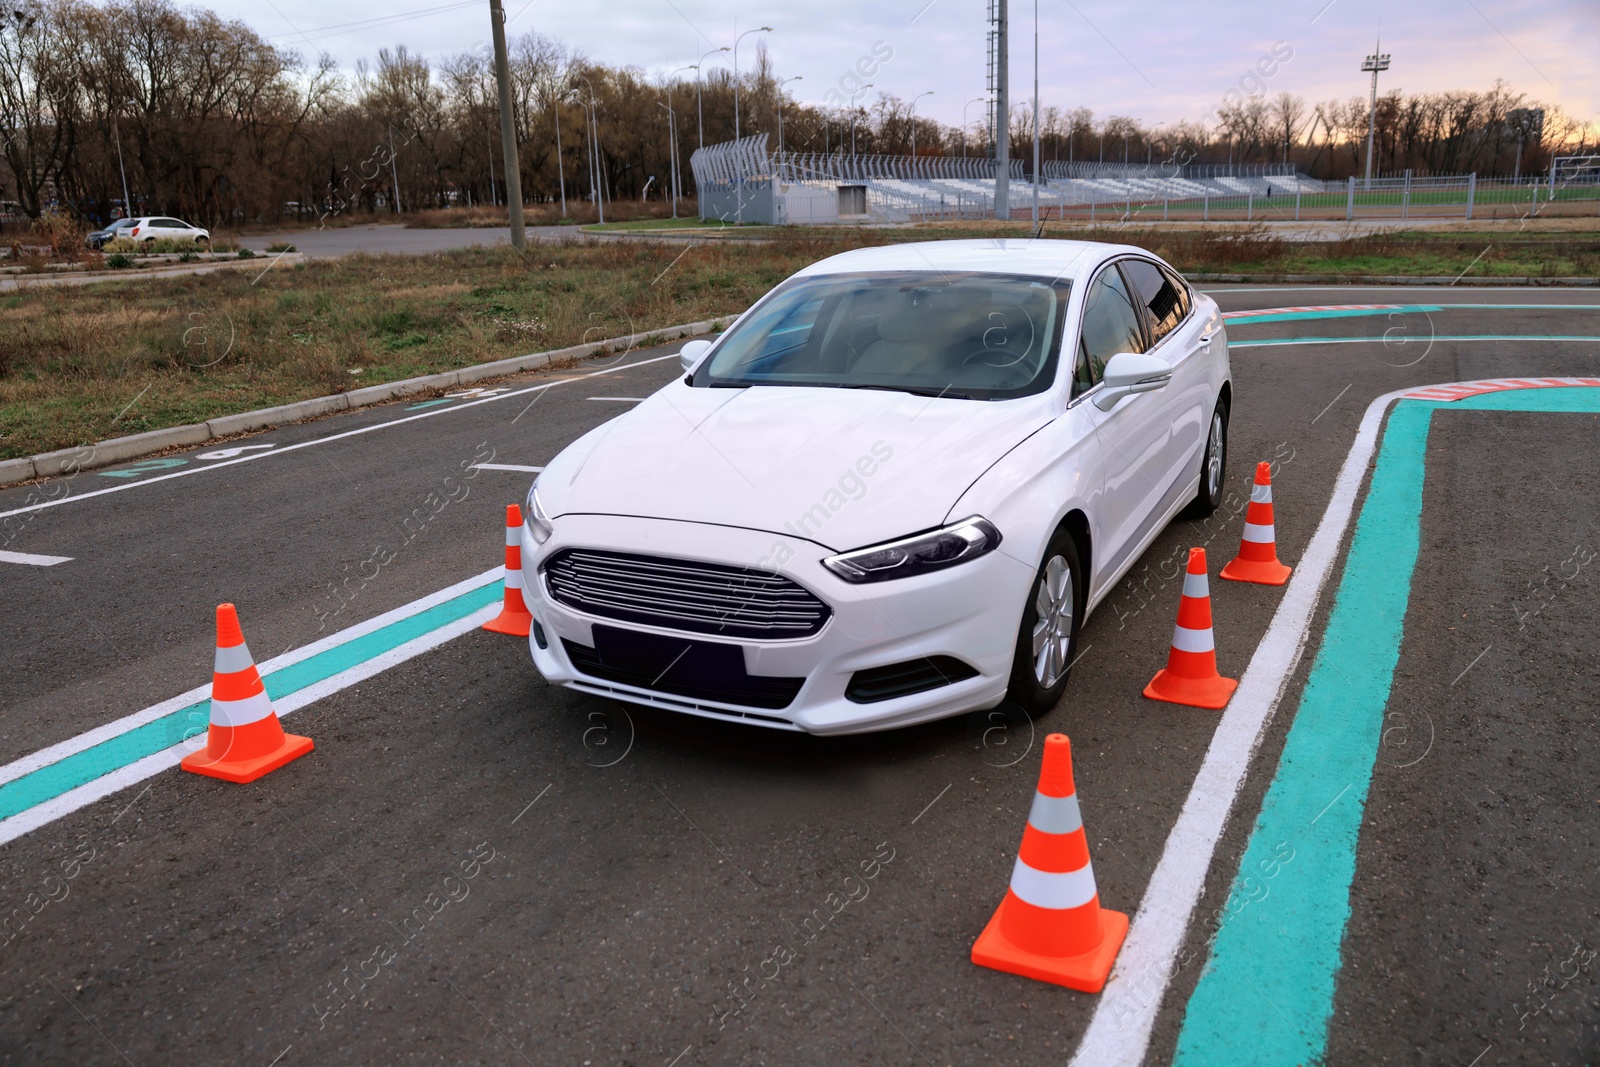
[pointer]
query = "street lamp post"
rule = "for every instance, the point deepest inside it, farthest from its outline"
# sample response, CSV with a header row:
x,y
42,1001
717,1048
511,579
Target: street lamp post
x,y
677,177
561,169
969,103
594,155
700,110
672,151
127,205
914,100
736,40
1375,62
781,84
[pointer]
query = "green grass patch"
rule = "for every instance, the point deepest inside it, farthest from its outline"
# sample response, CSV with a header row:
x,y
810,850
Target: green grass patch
x,y
184,349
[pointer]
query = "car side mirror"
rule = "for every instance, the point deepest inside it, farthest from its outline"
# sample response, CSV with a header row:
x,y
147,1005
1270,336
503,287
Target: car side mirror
x,y
1128,373
690,353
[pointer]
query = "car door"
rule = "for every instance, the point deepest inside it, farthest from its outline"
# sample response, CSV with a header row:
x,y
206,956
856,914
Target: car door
x,y
1133,434
1175,336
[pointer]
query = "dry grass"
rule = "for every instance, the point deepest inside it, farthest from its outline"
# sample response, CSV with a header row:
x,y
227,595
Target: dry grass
x,y
82,364
182,350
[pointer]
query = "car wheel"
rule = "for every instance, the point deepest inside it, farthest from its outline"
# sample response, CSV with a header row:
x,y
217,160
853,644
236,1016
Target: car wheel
x,y
202,240
1213,468
1047,640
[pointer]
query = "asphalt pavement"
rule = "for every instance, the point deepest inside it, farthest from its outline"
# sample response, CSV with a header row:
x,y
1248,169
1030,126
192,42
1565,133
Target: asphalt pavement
x,y
475,867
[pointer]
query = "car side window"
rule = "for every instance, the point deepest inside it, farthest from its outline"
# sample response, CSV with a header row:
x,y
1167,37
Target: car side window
x,y
1110,325
1157,294
1182,289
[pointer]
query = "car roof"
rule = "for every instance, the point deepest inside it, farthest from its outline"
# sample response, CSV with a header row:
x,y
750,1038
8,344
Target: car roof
x,y
1043,257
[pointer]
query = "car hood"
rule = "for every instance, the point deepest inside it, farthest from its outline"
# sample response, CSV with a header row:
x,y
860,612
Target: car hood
x,y
840,467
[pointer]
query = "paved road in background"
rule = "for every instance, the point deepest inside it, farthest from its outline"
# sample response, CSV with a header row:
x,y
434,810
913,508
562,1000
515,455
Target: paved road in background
x,y
475,867
399,240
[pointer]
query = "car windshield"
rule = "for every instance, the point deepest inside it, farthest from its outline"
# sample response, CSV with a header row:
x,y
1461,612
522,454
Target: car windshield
x,y
936,333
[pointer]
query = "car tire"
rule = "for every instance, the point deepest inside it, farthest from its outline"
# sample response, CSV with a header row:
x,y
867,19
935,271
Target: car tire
x,y
1213,468
1053,611
202,240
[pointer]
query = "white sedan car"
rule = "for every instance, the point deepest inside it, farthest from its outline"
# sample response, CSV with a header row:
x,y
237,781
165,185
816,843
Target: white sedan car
x,y
159,227
890,492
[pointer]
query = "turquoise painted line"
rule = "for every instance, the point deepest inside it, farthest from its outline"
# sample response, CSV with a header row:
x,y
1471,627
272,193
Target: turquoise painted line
x,y
1413,339
47,783
1233,318
1266,993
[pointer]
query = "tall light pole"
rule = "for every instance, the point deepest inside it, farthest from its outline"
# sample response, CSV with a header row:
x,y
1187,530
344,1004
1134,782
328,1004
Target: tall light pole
x,y
676,176
1002,112
672,151
1375,62
969,103
700,110
781,84
561,168
914,100
1036,116
508,130
127,205
594,152
736,40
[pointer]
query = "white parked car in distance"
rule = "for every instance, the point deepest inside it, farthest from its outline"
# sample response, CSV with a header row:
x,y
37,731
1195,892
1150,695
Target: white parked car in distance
x,y
890,492
160,227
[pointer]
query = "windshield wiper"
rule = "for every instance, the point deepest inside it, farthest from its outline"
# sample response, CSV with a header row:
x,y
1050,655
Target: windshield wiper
x,y
913,390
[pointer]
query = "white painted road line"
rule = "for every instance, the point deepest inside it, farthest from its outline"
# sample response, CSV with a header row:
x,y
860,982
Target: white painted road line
x,y
103,786
505,467
1119,1032
31,560
434,413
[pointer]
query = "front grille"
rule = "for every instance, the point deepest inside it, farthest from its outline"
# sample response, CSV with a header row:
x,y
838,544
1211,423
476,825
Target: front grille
x,y
677,594
903,679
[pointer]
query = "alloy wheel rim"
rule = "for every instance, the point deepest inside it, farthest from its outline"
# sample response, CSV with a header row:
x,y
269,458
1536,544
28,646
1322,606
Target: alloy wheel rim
x,y
1214,457
1055,604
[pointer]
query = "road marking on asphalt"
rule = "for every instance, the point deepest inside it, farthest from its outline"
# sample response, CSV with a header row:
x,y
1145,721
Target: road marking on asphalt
x,y
1267,341
30,559
55,781
1324,287
1293,946
1119,1033
331,437
229,453
1340,311
506,467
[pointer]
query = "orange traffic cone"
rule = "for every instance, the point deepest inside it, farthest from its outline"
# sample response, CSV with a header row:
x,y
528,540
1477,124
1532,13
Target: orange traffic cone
x,y
514,618
245,739
1050,926
1258,549
1191,674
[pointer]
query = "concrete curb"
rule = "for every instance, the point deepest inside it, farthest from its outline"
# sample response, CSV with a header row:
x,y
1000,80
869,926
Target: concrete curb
x,y
121,449
1394,279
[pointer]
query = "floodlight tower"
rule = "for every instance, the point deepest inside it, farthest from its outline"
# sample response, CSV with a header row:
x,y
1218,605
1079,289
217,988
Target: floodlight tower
x,y
1375,62
1000,120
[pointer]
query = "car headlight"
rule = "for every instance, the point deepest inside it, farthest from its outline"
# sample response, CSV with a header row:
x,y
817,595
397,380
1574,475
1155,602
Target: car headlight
x,y
538,520
918,554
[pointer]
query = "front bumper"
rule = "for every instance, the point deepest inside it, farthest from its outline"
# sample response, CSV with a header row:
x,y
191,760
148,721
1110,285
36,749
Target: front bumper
x,y
969,612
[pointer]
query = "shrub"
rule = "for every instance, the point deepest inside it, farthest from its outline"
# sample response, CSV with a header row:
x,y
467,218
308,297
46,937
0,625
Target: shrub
x,y
118,260
282,246
245,253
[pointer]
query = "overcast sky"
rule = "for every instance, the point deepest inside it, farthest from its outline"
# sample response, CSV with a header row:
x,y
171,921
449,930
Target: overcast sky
x,y
1159,61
